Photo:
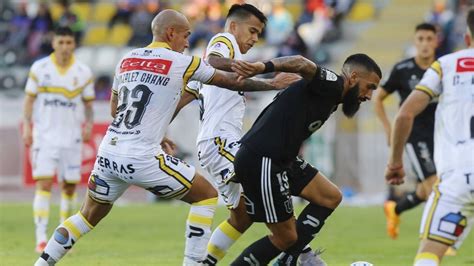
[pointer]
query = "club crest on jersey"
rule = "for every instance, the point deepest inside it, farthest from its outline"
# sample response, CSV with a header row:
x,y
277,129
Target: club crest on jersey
x,y
453,224
328,75
465,64
159,66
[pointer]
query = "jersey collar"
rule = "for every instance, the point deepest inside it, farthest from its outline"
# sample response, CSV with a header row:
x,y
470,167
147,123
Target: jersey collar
x,y
62,69
159,45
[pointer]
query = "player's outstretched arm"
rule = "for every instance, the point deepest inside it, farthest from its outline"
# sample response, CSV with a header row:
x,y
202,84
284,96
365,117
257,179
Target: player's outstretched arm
x,y
380,95
292,64
414,104
221,63
230,81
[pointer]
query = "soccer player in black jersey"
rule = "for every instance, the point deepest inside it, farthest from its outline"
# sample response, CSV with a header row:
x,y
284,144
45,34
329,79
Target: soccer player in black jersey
x,y
403,79
267,165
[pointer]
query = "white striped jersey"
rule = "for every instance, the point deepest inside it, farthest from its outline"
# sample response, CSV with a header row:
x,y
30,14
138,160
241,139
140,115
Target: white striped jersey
x,y
451,78
149,82
222,110
58,109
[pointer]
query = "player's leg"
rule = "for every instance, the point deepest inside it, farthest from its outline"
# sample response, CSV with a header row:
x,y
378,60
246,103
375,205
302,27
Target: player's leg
x,y
445,218
43,168
323,197
262,251
267,199
420,154
70,174
203,199
103,190
217,157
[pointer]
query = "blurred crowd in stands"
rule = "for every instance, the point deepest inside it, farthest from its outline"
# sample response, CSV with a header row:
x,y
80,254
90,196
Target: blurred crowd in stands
x,y
294,26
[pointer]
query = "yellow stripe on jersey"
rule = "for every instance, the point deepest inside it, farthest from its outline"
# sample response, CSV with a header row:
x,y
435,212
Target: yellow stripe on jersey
x,y
211,78
425,90
193,92
59,90
429,219
215,54
159,45
222,150
192,67
227,42
62,69
173,173
33,77
436,66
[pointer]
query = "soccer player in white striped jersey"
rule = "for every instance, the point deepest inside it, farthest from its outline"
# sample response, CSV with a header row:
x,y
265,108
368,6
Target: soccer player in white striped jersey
x,y
449,211
147,87
58,90
222,113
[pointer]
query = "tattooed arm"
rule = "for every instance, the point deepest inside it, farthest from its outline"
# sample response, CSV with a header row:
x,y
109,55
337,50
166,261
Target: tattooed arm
x,y
292,64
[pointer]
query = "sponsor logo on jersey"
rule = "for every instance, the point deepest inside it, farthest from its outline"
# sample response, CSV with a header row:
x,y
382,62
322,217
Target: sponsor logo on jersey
x,y
465,64
159,66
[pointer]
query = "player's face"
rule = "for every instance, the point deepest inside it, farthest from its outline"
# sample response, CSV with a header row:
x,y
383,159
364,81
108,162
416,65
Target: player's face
x,y
361,91
425,43
246,33
64,45
179,38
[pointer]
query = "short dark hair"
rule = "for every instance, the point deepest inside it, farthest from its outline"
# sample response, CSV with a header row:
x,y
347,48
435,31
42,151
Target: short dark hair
x,y
63,31
470,21
426,26
364,61
244,11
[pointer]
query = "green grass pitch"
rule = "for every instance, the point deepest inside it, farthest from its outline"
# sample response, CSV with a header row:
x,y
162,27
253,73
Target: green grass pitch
x,y
154,235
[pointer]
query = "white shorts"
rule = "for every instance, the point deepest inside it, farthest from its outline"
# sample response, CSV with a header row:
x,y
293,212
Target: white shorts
x,y
65,162
216,157
163,175
450,208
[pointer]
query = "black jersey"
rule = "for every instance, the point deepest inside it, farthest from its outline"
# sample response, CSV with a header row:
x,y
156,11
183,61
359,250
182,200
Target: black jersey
x,y
404,77
294,115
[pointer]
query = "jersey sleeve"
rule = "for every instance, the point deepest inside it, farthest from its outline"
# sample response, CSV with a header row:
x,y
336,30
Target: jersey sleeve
x,y
393,82
198,70
193,87
221,46
325,82
32,84
88,93
431,81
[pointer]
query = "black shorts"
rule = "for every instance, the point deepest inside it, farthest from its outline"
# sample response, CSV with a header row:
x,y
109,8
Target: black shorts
x,y
420,152
268,186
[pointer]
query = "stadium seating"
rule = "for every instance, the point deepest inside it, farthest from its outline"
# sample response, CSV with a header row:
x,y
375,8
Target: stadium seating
x,y
96,35
103,12
119,35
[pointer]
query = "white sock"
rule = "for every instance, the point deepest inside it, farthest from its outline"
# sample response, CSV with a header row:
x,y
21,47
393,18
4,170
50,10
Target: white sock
x,y
64,237
223,237
67,206
426,259
198,230
41,214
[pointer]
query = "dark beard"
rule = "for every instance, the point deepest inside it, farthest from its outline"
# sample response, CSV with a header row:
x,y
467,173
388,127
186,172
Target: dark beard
x,y
350,102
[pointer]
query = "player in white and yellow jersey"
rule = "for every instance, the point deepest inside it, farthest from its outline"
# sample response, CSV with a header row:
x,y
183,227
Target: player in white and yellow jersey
x,y
449,212
147,87
58,91
222,113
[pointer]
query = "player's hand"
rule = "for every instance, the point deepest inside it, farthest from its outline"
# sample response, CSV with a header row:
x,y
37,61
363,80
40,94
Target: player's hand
x,y
247,69
86,133
283,80
394,174
27,135
168,146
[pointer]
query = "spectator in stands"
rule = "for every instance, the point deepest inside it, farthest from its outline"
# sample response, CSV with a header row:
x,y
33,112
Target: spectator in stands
x,y
140,21
280,24
18,28
124,11
39,43
70,20
212,24
102,88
